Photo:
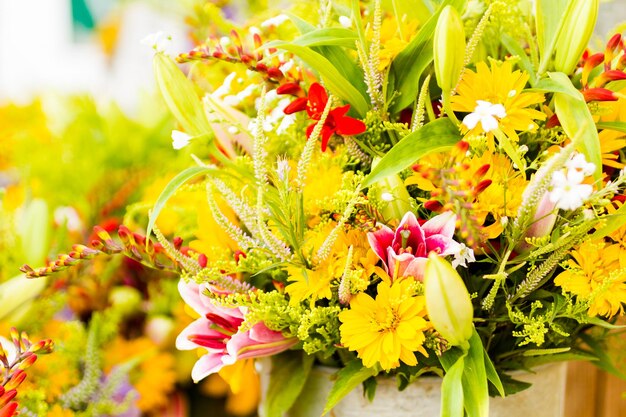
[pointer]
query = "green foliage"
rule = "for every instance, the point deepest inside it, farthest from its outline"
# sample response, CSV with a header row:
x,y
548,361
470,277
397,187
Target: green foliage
x,y
287,378
348,378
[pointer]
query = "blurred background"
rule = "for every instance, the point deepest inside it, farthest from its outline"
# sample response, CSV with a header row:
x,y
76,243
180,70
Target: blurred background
x,y
85,141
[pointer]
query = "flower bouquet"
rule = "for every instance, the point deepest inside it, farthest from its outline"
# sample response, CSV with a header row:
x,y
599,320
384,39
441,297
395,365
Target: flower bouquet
x,y
401,190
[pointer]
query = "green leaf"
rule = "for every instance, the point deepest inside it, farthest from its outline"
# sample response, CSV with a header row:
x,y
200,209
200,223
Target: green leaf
x,y
596,321
288,375
346,66
619,126
302,25
540,352
348,378
548,85
549,19
612,222
331,76
515,48
492,374
327,36
512,386
452,390
180,96
435,136
475,386
577,121
171,188
534,361
408,66
603,361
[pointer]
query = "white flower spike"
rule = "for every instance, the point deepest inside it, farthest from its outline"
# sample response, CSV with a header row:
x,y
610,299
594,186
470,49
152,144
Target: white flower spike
x,y
485,113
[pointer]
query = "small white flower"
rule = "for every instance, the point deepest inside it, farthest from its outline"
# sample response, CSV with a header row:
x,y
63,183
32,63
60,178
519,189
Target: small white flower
x,y
159,41
568,192
386,197
462,256
578,163
233,130
180,139
485,113
345,21
275,21
226,86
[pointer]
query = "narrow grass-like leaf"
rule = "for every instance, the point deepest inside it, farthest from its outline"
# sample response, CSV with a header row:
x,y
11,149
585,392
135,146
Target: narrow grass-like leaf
x,y
171,188
619,126
288,375
548,85
596,321
348,378
576,119
333,79
612,222
435,136
515,48
327,36
549,19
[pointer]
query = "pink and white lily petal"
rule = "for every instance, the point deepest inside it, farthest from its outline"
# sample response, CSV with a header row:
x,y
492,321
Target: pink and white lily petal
x,y
257,342
442,224
207,364
379,241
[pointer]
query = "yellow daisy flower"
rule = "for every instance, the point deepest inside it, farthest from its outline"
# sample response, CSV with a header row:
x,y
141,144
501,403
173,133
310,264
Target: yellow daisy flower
x,y
495,97
597,272
388,329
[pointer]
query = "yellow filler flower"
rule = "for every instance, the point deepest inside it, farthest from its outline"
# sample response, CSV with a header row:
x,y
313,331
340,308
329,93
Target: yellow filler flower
x,y
388,329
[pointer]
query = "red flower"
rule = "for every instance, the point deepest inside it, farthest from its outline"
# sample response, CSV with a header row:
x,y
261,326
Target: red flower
x,y
336,122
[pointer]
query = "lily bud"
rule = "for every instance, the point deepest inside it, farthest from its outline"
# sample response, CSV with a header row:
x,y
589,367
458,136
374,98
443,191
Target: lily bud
x,y
393,196
448,301
449,48
575,34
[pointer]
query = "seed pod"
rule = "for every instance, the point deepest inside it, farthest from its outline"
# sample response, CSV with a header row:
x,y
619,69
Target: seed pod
x,y
449,48
575,33
447,301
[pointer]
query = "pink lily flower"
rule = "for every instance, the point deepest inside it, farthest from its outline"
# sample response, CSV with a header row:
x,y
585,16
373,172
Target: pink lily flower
x,y
408,247
218,332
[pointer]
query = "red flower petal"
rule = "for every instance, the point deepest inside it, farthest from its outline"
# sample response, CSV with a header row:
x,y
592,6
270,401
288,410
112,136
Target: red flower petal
x,y
349,126
327,132
297,105
317,101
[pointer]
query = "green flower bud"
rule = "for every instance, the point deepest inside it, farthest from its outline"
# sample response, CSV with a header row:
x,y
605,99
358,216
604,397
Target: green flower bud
x,y
575,33
449,48
393,196
447,301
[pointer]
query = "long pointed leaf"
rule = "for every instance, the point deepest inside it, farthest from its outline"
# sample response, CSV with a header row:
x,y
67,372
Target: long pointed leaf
x,y
348,378
327,36
435,136
288,375
333,79
171,188
452,390
577,120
